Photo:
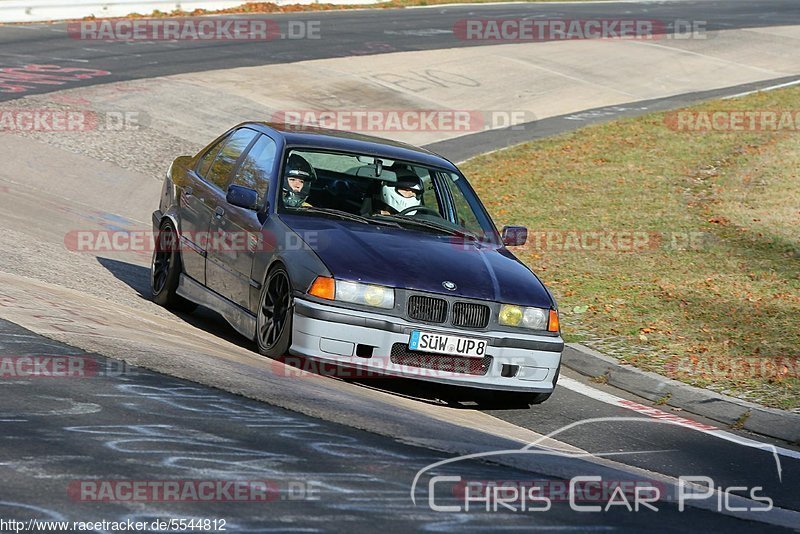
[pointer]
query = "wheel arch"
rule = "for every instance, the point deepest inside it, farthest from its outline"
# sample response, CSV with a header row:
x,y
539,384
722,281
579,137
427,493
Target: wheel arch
x,y
301,263
171,216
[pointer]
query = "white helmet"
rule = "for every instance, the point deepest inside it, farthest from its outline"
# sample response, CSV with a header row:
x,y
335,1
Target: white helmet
x,y
409,198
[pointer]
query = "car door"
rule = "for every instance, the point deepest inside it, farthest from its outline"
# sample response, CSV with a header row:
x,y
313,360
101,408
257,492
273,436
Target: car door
x,y
229,266
204,195
195,215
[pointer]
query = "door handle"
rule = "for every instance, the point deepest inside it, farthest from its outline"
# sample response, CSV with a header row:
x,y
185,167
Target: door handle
x,y
187,191
219,212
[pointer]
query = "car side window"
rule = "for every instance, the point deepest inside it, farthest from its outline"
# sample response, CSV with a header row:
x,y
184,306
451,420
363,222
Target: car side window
x,y
466,216
429,198
220,172
256,168
208,159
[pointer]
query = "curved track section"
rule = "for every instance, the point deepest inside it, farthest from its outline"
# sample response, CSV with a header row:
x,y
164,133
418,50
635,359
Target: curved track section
x,y
364,441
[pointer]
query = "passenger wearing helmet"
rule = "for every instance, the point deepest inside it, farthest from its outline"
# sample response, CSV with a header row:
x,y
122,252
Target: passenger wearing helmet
x,y
401,195
297,181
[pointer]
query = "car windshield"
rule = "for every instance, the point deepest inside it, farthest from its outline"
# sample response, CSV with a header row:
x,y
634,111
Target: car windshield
x,y
381,191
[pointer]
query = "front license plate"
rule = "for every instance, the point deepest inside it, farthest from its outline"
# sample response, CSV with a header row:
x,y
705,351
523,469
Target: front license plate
x,y
446,344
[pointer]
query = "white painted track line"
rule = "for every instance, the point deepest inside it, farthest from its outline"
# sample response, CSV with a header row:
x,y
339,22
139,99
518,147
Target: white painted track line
x,y
764,90
608,398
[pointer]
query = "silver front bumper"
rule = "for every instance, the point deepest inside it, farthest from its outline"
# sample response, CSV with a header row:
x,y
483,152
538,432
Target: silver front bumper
x,y
517,362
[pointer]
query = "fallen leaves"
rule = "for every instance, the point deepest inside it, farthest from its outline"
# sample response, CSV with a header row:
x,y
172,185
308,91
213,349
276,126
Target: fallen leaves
x,y
712,303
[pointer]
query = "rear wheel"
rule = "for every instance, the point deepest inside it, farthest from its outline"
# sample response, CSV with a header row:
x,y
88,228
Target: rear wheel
x,y
274,320
165,271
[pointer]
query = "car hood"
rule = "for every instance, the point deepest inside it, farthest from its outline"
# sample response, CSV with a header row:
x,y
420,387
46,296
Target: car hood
x,y
406,258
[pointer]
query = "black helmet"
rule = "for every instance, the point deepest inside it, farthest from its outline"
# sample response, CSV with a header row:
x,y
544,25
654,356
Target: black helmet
x,y
297,167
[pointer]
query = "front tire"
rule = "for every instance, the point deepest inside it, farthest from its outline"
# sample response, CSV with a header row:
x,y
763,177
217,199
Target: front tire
x,y
538,398
506,400
275,311
165,271
500,400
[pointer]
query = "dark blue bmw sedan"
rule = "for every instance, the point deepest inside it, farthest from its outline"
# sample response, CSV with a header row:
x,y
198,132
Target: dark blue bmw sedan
x,y
354,250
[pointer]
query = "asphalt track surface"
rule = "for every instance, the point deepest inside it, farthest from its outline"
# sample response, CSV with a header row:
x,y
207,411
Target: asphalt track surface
x,y
349,33
144,426
121,420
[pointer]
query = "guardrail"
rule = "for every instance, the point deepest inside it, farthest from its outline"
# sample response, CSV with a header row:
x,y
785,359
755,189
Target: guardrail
x,y
46,10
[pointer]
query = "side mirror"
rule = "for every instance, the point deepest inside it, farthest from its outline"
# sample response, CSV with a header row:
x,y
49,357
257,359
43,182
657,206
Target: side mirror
x,y
244,197
514,236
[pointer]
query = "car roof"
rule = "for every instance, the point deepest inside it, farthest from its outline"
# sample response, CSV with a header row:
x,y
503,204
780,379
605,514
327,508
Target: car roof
x,y
323,138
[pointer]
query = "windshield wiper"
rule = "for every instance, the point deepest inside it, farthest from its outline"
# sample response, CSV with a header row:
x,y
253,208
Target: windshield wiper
x,y
346,215
330,211
425,224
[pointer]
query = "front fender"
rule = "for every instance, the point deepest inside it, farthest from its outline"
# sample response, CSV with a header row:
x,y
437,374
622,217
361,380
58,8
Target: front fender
x,y
300,261
174,179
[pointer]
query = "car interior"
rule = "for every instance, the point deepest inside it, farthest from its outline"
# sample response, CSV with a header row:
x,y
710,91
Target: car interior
x,y
357,190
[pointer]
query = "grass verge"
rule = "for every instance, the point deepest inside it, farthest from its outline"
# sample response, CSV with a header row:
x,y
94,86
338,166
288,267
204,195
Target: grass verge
x,y
674,251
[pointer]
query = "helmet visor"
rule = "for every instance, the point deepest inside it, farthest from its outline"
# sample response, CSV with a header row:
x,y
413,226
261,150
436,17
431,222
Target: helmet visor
x,y
407,191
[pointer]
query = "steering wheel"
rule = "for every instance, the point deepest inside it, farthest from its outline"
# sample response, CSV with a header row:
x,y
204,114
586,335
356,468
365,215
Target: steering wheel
x,y
423,209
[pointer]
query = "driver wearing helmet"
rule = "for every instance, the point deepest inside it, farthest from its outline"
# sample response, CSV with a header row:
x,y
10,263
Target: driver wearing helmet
x,y
297,181
401,195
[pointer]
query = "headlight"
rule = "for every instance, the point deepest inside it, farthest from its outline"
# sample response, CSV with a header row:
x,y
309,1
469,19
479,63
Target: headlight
x,y
531,318
354,292
346,291
382,297
534,318
510,315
